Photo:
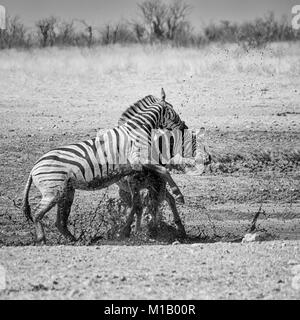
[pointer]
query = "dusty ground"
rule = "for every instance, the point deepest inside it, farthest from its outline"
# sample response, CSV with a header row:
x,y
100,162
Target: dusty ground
x,y
251,117
199,271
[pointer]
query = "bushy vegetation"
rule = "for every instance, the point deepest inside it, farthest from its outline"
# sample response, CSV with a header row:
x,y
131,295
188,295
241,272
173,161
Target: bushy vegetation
x,y
157,22
252,34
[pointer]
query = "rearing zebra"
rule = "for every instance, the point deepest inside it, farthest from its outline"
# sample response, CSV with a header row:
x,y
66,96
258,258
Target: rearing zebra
x,y
142,106
94,164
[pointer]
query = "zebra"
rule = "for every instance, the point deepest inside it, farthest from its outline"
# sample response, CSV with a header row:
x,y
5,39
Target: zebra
x,y
94,164
143,106
178,143
174,142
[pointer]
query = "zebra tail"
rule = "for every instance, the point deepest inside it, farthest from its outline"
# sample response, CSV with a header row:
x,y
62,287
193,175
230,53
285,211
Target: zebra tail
x,y
25,203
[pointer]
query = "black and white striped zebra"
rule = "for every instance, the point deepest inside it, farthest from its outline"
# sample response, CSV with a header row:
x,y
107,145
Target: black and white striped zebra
x,y
146,106
95,163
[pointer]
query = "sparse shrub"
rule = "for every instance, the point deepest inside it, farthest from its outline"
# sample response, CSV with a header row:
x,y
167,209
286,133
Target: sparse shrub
x,y
256,160
66,34
102,222
253,34
117,33
46,31
85,37
161,22
15,35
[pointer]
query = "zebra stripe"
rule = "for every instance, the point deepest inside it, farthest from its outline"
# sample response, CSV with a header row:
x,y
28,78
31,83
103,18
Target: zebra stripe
x,y
95,163
140,106
110,153
167,145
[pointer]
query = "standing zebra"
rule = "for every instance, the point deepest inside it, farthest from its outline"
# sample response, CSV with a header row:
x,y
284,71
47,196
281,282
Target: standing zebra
x,y
94,164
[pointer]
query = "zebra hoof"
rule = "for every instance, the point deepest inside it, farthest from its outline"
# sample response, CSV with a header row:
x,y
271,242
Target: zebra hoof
x,y
152,232
181,232
72,238
124,234
40,240
180,199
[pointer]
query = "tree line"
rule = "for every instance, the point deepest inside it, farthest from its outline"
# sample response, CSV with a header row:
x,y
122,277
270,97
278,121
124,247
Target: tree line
x,y
157,22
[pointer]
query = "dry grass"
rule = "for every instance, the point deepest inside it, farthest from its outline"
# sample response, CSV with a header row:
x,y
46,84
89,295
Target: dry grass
x,y
275,59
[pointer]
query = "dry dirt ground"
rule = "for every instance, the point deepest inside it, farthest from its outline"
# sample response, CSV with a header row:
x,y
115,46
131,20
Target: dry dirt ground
x,y
197,271
252,127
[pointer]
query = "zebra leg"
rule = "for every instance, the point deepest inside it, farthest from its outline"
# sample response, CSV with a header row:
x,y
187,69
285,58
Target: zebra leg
x,y
165,174
172,203
46,204
125,196
156,195
138,213
130,217
153,206
131,210
63,212
127,200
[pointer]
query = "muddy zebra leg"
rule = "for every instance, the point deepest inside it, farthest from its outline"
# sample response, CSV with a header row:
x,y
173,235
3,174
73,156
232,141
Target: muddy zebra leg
x,y
47,202
156,196
165,175
138,213
172,203
131,208
127,200
63,212
153,207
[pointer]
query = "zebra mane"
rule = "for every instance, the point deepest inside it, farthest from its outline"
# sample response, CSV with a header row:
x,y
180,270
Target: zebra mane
x,y
144,102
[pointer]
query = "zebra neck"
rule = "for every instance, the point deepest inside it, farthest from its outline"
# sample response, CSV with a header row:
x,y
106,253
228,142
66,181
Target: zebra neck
x,y
138,107
138,131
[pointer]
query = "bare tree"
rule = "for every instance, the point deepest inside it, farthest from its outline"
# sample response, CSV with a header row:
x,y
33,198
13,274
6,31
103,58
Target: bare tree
x,y
163,21
105,34
46,29
177,18
14,35
87,35
154,14
89,30
138,30
117,33
90,33
66,35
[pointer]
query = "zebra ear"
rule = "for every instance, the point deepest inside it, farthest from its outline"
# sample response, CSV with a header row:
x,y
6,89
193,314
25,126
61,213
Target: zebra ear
x,y
163,94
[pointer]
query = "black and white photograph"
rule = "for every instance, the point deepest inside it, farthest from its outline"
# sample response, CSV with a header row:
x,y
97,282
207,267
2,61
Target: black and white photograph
x,y
150,150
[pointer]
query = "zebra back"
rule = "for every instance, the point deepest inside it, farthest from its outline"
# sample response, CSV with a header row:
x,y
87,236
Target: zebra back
x,y
140,106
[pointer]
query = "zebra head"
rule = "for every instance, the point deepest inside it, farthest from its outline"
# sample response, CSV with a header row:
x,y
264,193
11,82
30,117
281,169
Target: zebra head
x,y
156,113
170,119
172,147
185,150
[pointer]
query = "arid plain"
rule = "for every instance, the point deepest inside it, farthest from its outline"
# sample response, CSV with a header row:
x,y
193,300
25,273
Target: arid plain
x,y
247,102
